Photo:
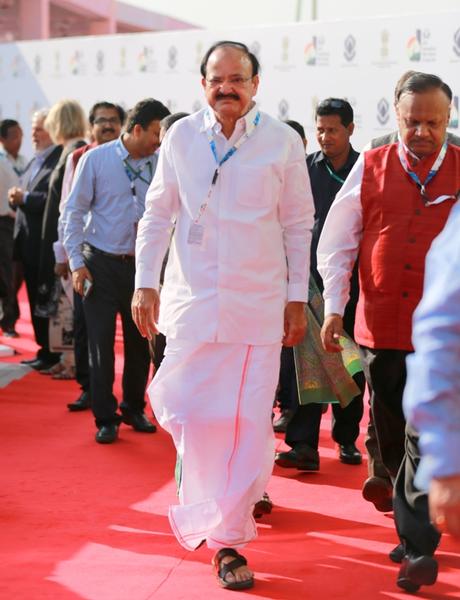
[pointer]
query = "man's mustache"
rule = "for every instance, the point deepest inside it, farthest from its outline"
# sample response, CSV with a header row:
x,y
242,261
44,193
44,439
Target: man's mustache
x,y
108,130
222,96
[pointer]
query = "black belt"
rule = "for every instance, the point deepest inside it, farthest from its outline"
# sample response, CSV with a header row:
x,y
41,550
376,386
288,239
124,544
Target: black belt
x,y
122,257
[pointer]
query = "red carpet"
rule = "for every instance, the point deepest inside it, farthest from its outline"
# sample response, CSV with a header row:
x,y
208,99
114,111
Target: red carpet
x,y
81,520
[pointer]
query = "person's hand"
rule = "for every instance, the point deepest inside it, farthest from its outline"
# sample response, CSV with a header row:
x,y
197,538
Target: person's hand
x,y
78,279
62,270
15,196
145,309
331,331
295,323
444,501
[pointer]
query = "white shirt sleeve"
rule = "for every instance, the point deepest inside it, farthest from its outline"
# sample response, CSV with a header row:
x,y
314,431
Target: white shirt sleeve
x,y
296,215
58,246
339,242
155,227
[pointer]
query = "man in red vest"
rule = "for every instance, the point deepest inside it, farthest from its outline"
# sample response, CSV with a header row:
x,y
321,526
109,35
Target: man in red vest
x,y
393,204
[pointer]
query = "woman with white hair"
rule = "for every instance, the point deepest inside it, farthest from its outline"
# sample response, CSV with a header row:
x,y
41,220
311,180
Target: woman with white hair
x,y
67,125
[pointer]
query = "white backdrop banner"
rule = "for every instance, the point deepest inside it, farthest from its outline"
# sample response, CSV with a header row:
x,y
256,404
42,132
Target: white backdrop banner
x,y
360,60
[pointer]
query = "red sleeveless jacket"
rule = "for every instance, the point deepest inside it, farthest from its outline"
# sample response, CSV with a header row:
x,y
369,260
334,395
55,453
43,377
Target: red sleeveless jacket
x,y
397,233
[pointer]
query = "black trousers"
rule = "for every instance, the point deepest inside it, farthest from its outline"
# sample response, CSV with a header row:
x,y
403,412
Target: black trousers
x,y
7,291
411,504
113,287
305,424
385,371
80,343
40,324
386,375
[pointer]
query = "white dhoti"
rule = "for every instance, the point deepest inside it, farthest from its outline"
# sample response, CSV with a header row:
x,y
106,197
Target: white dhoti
x,y
216,401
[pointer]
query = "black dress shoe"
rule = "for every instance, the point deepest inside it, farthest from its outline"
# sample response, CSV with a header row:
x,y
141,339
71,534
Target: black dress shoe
x,y
29,361
349,454
397,554
40,365
107,434
139,422
417,570
281,424
81,403
379,491
302,457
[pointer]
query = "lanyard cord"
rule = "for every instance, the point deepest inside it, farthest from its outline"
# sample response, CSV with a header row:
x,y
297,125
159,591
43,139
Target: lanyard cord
x,y
220,162
432,172
133,174
334,175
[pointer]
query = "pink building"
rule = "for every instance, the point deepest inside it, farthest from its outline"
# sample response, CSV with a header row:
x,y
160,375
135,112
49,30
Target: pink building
x,y
44,19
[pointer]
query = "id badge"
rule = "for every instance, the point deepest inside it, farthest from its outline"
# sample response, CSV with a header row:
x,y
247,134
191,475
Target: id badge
x,y
195,234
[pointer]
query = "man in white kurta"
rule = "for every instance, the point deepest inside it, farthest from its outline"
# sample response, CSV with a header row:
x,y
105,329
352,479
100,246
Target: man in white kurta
x,y
235,288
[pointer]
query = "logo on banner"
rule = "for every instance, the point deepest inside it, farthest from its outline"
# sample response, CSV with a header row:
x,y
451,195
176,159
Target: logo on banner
x,y
100,61
285,63
172,57
315,52
285,43
384,44
456,45
383,111
76,63
349,48
454,117
419,47
145,60
383,58
283,110
310,52
414,46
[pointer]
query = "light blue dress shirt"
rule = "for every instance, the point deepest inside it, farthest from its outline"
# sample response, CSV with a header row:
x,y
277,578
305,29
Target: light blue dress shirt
x,y
432,394
101,209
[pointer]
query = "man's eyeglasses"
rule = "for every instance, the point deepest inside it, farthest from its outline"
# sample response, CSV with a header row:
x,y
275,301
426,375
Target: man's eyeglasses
x,y
105,121
235,81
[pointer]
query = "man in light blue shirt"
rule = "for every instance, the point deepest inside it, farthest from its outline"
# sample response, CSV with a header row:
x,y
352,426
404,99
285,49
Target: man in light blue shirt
x,y
432,394
100,223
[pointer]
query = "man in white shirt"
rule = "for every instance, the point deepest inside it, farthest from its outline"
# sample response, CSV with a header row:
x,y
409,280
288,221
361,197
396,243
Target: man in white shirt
x,y
236,184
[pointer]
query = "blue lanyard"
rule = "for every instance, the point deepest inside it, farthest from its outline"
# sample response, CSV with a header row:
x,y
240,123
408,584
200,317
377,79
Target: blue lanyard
x,y
220,162
131,173
432,172
235,147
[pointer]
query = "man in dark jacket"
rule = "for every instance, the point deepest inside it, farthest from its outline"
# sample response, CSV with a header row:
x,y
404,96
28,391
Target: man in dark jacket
x,y
30,203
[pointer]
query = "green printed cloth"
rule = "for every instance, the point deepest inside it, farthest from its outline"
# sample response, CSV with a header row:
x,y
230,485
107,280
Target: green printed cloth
x,y
324,377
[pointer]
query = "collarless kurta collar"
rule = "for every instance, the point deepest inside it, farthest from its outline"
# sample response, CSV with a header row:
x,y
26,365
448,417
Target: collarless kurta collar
x,y
247,120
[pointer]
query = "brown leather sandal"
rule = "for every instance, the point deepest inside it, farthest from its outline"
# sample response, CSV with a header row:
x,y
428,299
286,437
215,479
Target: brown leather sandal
x,y
223,569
